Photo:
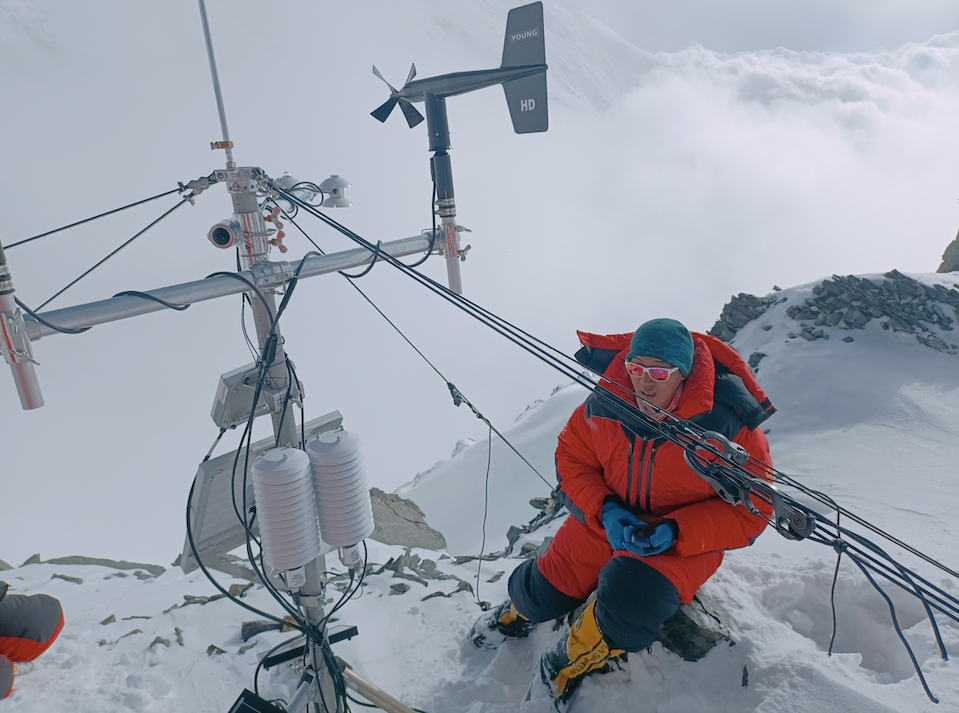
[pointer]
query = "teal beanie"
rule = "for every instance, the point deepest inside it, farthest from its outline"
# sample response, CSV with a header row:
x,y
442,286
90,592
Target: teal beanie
x,y
664,339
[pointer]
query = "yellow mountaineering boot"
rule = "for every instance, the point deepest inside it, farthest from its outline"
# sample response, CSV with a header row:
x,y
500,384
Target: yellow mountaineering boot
x,y
582,651
492,629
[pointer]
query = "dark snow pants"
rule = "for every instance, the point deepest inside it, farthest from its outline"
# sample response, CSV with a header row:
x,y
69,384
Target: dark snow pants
x,y
28,625
632,599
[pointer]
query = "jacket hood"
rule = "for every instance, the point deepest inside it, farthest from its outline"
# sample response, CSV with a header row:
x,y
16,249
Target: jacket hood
x,y
718,374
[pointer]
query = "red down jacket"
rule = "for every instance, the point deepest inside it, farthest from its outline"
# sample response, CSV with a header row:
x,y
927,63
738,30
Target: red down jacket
x,y
602,453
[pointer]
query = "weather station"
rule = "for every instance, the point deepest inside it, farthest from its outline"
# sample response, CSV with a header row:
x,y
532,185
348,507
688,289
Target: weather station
x,y
290,499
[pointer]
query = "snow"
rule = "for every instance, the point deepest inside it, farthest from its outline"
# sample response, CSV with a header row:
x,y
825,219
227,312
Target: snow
x,y
873,423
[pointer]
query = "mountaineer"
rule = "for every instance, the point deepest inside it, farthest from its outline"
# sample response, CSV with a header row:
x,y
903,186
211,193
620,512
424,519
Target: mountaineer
x,y
646,531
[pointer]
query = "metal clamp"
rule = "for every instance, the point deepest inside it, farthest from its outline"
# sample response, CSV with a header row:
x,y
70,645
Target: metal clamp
x,y
791,521
716,473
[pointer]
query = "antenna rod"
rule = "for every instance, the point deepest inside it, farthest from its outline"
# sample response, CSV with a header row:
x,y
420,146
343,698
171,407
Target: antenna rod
x,y
226,143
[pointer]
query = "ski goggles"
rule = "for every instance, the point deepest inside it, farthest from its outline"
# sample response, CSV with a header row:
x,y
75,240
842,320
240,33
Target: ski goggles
x,y
656,373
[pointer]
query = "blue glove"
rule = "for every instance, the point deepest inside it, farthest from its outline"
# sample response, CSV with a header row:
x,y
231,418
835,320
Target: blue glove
x,y
627,532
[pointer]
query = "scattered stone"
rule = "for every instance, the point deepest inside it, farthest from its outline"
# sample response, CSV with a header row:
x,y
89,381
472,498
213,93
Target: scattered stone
x,y
461,587
399,588
397,521
35,559
767,327
847,339
109,620
214,650
411,577
247,647
4,566
159,640
238,590
539,503
117,574
130,633
754,359
136,616
495,578
102,642
154,569
167,611
179,635
250,629
67,578
777,288
139,574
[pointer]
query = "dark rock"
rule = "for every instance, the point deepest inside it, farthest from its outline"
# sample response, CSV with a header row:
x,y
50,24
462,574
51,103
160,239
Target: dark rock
x,y
67,578
737,313
399,588
249,629
179,635
159,640
847,339
35,559
687,639
238,590
214,650
109,620
4,566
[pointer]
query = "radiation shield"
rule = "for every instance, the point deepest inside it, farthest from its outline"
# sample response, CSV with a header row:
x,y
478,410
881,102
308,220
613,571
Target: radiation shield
x,y
214,524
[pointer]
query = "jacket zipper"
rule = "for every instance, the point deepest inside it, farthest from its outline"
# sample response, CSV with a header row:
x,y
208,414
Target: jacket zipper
x,y
629,466
639,476
649,478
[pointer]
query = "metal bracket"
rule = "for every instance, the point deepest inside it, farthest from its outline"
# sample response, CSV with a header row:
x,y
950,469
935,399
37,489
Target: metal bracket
x,y
715,473
791,521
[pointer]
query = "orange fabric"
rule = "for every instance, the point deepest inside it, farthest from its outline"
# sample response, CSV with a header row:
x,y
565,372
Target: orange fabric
x,y
592,458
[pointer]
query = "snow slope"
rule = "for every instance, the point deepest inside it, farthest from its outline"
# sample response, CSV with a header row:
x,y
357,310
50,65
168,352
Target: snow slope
x,y
873,422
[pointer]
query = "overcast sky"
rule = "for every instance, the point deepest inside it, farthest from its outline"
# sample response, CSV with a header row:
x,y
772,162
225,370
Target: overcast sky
x,y
672,176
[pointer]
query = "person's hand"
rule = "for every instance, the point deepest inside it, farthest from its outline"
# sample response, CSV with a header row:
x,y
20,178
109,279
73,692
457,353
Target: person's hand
x,y
627,532
653,541
621,525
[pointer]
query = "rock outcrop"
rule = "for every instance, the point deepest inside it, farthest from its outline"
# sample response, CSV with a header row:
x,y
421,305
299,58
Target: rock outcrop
x,y
900,303
950,258
400,522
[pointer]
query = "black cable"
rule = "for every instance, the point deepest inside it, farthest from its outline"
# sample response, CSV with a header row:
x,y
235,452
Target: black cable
x,y
183,201
87,220
376,255
429,250
148,296
457,394
48,325
479,566
259,666
241,278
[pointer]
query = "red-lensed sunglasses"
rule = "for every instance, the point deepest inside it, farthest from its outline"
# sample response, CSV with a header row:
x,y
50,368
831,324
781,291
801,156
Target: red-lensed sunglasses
x,y
656,373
